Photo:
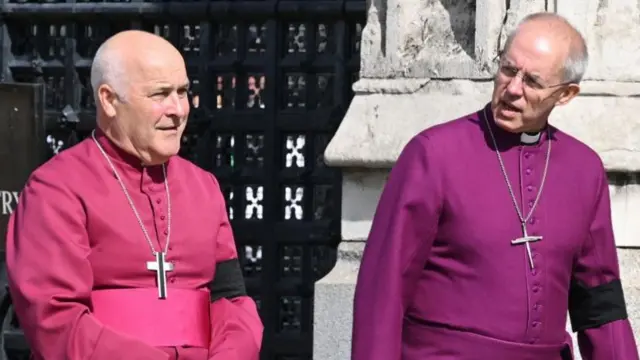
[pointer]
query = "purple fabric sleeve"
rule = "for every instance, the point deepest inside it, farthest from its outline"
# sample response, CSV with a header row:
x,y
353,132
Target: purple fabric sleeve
x,y
399,242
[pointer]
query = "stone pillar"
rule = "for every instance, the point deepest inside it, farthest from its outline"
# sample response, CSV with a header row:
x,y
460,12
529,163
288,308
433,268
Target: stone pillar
x,y
425,62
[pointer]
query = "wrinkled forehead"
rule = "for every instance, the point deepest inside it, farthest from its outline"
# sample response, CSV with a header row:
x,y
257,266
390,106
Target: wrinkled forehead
x,y
537,54
152,71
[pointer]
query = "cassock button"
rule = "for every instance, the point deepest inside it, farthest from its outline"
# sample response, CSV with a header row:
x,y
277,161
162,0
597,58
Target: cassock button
x,y
536,288
161,217
528,171
526,155
158,201
534,272
534,324
166,232
173,280
532,221
530,203
529,188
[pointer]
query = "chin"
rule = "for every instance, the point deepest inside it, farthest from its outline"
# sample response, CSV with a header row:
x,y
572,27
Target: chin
x,y
169,152
167,149
511,125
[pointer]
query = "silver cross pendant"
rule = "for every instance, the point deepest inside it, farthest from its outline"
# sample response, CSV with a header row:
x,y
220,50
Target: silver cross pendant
x,y
526,239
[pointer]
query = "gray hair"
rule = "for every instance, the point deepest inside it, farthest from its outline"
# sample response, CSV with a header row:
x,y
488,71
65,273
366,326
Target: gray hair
x,y
575,65
107,68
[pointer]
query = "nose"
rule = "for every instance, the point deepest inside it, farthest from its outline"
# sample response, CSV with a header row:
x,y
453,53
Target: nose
x,y
515,86
176,105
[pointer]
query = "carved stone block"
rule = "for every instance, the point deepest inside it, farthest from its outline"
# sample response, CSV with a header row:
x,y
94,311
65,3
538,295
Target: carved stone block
x,y
612,32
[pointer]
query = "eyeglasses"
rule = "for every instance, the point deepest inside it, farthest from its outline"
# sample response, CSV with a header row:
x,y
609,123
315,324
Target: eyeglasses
x,y
532,82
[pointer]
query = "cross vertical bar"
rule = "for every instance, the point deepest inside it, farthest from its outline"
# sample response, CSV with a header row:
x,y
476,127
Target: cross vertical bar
x,y
161,268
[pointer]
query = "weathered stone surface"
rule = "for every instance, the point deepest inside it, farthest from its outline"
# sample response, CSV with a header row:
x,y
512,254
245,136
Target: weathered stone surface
x,y
381,119
517,10
373,43
378,125
360,196
612,31
433,38
630,274
625,210
605,124
333,305
490,17
440,41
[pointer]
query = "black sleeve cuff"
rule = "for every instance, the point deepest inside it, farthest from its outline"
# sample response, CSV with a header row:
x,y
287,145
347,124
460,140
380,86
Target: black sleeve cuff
x,y
228,282
596,306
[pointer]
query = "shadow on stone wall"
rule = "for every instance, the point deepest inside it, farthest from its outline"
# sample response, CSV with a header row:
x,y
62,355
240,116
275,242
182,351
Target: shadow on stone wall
x,y
381,11
462,15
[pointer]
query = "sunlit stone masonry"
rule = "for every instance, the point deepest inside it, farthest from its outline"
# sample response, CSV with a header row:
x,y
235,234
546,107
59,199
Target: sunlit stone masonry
x,y
425,62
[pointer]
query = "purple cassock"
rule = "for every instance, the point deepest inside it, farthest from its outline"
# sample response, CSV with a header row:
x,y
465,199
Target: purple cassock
x,y
447,273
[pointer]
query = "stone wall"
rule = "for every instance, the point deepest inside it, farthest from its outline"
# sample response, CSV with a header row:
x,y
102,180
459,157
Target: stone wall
x,y
429,61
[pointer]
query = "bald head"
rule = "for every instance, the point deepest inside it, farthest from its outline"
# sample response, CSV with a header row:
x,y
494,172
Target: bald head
x,y
141,91
554,31
120,56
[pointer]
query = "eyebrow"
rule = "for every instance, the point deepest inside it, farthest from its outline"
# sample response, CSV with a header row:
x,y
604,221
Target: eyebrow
x,y
166,87
534,76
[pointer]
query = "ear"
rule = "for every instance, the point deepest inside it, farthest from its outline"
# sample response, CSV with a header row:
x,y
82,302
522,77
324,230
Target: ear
x,y
571,91
107,98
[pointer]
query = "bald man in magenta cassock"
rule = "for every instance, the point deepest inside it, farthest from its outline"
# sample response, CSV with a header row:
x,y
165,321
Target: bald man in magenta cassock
x,y
492,227
120,249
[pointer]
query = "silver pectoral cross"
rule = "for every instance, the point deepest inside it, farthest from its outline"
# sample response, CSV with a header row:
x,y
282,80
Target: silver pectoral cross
x,y
526,239
161,268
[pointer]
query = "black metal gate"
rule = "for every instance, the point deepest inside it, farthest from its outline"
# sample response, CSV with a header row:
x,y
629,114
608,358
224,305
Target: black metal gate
x,y
273,81
22,148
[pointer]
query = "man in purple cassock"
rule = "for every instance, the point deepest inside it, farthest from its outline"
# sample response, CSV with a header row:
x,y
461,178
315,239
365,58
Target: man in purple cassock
x,y
492,227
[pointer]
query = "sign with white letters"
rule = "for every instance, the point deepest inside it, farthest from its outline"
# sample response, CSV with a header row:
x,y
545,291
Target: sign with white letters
x,y
22,144
9,201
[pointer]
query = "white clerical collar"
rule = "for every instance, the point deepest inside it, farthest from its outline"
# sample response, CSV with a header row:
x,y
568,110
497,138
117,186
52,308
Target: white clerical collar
x,y
529,138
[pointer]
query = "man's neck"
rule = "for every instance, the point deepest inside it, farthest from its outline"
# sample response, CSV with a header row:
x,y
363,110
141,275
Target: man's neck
x,y
534,134
125,145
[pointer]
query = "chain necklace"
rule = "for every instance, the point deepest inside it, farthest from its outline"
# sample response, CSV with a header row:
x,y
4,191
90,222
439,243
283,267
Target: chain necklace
x,y
526,239
159,265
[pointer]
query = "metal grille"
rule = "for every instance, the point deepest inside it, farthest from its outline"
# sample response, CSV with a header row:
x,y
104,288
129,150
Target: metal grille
x,y
272,80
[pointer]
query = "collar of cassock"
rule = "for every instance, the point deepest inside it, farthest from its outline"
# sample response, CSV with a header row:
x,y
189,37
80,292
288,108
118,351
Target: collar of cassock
x,y
530,138
508,138
120,156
